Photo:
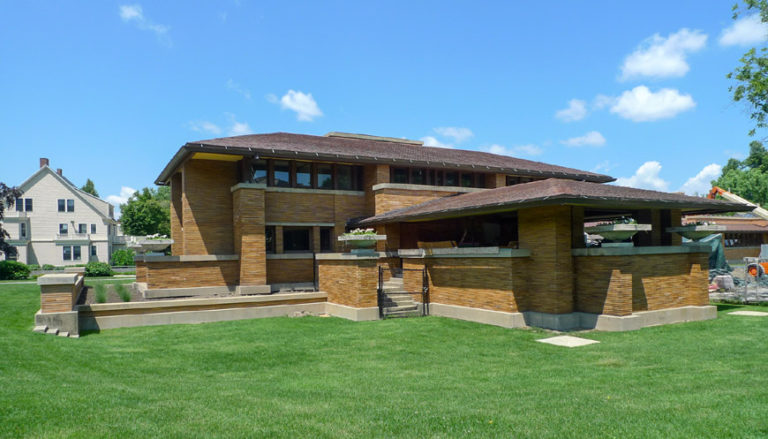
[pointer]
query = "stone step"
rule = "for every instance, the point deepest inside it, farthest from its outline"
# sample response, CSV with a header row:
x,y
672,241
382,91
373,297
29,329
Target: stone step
x,y
63,334
401,314
391,309
53,331
41,329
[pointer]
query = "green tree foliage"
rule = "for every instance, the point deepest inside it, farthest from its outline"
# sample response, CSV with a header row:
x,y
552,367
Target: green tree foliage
x,y
122,257
8,197
752,75
748,178
90,188
147,212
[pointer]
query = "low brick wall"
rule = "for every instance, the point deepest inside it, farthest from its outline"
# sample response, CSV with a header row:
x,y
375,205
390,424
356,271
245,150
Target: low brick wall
x,y
188,273
496,284
738,253
350,282
59,292
622,284
281,271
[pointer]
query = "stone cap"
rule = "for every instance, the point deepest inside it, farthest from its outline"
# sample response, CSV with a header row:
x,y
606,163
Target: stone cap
x,y
58,279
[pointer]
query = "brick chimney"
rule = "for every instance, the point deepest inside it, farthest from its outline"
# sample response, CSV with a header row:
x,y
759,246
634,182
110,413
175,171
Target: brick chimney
x,y
59,171
44,162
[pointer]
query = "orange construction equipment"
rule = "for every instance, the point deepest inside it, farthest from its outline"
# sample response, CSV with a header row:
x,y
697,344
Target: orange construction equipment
x,y
759,211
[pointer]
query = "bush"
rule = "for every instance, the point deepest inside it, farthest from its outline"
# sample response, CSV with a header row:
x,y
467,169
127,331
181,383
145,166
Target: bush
x,y
33,267
13,270
97,269
48,267
123,257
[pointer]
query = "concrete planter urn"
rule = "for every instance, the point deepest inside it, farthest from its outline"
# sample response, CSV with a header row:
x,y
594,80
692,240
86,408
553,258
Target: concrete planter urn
x,y
617,232
147,245
361,241
695,232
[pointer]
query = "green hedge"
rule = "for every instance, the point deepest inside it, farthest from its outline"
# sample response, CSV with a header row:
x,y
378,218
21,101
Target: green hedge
x,y
93,269
123,257
13,270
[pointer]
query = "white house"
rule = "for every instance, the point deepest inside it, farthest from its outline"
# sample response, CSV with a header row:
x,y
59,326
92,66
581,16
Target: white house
x,y
54,222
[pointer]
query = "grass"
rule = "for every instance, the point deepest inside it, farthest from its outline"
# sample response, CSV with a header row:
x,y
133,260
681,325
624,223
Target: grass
x,y
420,377
123,292
100,292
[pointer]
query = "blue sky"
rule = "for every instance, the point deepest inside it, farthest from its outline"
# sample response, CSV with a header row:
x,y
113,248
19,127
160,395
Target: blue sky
x,y
637,90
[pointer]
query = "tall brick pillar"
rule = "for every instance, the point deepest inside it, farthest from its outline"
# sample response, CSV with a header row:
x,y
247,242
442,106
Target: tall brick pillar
x,y
546,231
250,243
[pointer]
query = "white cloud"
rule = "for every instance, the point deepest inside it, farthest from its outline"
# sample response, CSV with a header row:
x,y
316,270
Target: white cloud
x,y
642,105
239,128
661,57
702,182
520,150
646,177
745,31
234,86
204,126
125,194
602,101
456,133
592,138
604,166
577,110
135,14
303,104
432,141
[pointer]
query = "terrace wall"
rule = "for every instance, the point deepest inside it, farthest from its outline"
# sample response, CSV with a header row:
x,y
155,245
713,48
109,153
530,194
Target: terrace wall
x,y
348,280
188,272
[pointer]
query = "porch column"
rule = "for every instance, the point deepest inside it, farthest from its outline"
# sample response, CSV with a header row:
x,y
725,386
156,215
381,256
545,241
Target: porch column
x,y
547,233
652,238
250,242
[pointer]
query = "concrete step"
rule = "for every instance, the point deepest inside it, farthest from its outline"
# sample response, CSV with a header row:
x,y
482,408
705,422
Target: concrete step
x,y
399,295
40,329
53,331
391,309
400,314
63,334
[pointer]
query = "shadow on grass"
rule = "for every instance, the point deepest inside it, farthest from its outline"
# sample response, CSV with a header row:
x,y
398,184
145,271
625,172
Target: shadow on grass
x,y
88,332
727,306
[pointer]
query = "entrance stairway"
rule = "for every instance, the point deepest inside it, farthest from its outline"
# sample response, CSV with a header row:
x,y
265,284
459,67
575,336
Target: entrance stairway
x,y
396,302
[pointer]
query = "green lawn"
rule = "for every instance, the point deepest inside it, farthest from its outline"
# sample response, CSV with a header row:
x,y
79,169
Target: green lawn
x,y
420,377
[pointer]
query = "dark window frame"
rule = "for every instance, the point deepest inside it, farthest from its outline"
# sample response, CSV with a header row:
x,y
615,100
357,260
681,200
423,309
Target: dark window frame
x,y
93,228
22,230
82,228
77,253
66,252
63,227
70,205
269,239
93,250
62,204
289,246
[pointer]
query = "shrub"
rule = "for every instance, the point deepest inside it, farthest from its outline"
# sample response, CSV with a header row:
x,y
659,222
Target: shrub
x,y
13,270
100,293
97,269
124,294
122,257
33,267
48,267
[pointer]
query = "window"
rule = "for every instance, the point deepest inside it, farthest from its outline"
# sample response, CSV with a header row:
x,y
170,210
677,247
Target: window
x,y
70,205
19,205
296,239
28,204
467,179
67,250
326,239
303,174
418,176
62,204
259,171
399,175
63,229
93,250
22,230
344,177
282,173
451,178
269,238
93,228
76,252
82,228
324,176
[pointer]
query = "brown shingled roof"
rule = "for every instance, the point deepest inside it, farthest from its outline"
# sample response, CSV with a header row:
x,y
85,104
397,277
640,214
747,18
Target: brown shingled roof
x,y
366,150
552,191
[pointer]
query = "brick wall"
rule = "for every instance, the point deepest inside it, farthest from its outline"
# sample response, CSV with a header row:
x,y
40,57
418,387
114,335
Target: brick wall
x,y
621,285
546,231
741,252
192,274
141,271
249,240
280,271
391,199
487,283
59,298
207,207
177,248
350,283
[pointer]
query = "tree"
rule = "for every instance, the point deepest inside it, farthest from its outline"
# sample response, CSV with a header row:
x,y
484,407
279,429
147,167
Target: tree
x,y
748,178
752,75
90,188
147,212
8,196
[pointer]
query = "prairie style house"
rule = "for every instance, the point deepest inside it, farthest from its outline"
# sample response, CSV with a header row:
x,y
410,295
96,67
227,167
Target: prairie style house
x,y
492,238
54,222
